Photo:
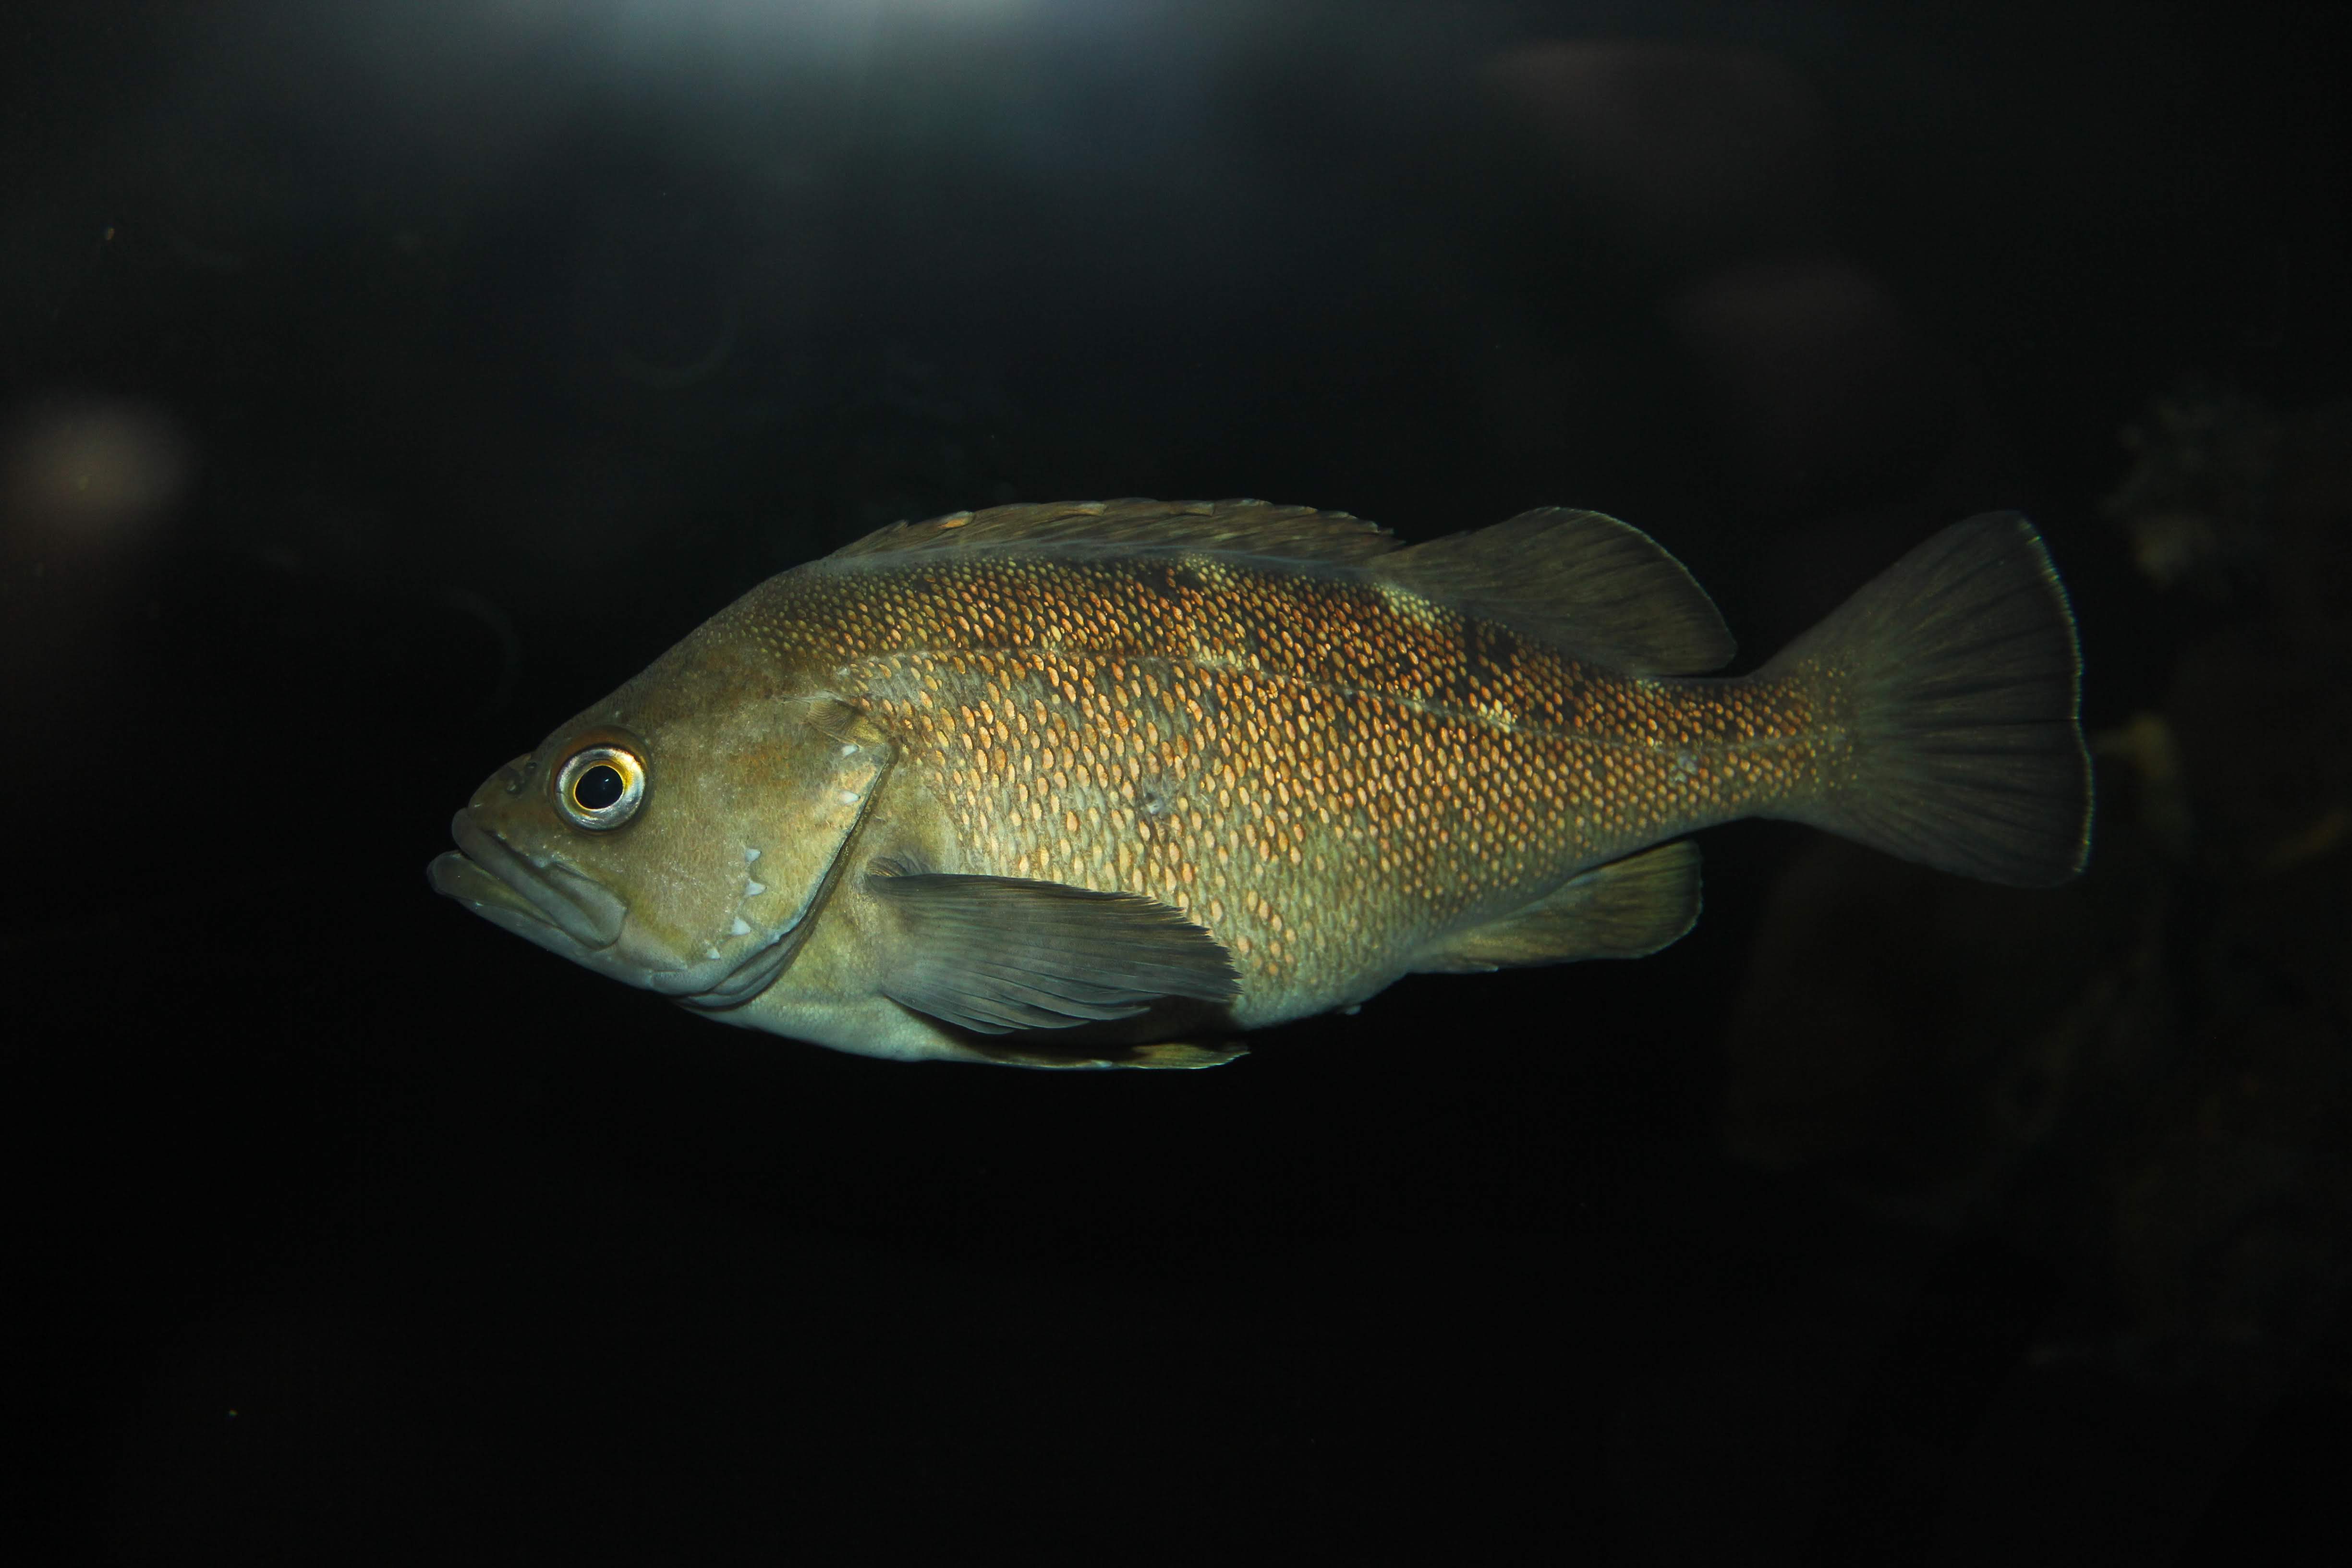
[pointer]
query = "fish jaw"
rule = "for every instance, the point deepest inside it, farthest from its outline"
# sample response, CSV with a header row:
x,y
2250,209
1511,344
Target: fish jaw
x,y
556,907
549,894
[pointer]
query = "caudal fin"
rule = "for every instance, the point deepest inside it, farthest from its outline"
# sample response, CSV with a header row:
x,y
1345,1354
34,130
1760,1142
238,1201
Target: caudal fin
x,y
1958,680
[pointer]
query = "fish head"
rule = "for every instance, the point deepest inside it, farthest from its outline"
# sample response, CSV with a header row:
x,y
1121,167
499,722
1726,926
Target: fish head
x,y
678,837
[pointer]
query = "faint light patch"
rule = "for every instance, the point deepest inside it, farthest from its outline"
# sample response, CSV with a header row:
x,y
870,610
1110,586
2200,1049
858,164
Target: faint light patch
x,y
797,21
86,488
1714,165
592,507
101,474
1696,154
1816,370
653,298
669,377
645,30
501,628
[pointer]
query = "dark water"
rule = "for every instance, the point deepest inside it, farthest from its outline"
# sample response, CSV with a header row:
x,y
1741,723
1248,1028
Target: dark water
x,y
378,383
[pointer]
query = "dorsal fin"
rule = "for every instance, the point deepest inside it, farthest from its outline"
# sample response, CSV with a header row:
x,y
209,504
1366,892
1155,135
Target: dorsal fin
x,y
1599,588
1239,527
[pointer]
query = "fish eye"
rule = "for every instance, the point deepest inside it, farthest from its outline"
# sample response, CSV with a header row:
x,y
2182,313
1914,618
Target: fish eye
x,y
600,787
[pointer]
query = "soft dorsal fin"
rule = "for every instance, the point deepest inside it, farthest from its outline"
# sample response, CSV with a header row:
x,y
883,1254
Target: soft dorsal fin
x,y
1236,527
1599,588
1627,908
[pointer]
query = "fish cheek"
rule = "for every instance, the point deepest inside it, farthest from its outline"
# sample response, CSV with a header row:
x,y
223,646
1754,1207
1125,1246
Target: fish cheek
x,y
839,963
683,889
854,941
794,800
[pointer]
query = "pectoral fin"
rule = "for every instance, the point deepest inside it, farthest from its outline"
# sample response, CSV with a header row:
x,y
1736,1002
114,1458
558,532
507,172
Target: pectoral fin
x,y
995,954
1627,908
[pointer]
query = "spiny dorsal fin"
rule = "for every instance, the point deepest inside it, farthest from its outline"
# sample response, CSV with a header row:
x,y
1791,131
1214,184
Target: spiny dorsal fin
x,y
1596,587
1236,527
1627,908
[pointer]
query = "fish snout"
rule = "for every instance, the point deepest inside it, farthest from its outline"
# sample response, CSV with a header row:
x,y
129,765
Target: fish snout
x,y
511,887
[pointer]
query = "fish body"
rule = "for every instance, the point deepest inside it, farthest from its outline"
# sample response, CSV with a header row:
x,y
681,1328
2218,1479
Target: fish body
x,y
1111,784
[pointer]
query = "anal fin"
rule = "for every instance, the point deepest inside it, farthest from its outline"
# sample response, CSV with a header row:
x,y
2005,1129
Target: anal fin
x,y
1627,908
1159,1054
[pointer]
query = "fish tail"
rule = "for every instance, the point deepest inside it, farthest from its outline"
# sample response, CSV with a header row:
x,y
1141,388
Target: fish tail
x,y
1956,678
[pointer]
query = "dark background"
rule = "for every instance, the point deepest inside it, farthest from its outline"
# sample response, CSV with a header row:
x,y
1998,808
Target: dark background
x,y
381,382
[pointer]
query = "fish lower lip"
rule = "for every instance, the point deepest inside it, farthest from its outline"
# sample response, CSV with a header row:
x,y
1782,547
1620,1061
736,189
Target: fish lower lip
x,y
555,896
453,875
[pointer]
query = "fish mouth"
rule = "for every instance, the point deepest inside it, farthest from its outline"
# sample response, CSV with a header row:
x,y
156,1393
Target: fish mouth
x,y
555,907
532,901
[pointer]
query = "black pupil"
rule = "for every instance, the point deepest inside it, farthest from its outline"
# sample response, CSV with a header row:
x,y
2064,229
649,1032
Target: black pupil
x,y
597,788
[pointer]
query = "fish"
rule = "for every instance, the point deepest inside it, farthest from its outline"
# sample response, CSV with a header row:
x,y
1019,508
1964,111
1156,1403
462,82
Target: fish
x,y
1120,783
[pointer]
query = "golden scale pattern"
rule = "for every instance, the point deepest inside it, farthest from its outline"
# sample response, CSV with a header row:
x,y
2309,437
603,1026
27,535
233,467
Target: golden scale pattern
x,y
1321,770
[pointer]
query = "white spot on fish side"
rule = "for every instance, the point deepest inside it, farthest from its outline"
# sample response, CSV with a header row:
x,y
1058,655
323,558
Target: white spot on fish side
x,y
849,749
753,890
849,797
1209,658
711,951
740,927
750,856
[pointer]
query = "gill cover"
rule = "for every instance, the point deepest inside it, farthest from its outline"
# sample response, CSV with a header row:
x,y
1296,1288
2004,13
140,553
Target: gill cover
x,y
815,781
